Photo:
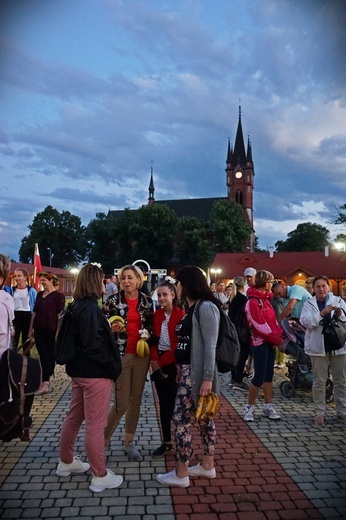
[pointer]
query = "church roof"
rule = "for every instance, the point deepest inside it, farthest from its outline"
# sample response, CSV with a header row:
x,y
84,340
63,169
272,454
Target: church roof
x,y
199,208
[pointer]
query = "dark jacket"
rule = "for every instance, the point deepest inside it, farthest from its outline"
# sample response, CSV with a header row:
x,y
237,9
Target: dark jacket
x,y
116,306
98,354
236,312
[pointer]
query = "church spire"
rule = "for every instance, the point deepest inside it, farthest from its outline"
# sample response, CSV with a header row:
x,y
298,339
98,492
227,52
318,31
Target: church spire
x,y
151,198
249,149
239,147
229,152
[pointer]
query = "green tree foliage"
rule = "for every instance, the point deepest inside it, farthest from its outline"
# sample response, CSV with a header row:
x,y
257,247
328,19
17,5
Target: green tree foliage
x,y
341,219
110,241
307,237
100,235
62,232
152,233
193,245
228,227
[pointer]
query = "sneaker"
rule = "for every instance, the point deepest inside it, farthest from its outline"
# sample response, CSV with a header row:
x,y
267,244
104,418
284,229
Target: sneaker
x,y
131,451
319,420
77,466
248,414
247,378
109,481
241,386
199,471
161,451
270,412
171,479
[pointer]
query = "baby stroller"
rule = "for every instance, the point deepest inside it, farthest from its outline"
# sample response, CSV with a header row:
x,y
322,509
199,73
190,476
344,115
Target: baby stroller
x,y
299,368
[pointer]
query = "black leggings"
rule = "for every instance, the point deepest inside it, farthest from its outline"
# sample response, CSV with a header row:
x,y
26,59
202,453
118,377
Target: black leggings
x,y
167,391
45,344
21,326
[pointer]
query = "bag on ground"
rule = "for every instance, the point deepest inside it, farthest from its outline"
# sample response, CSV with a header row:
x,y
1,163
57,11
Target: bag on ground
x,y
20,378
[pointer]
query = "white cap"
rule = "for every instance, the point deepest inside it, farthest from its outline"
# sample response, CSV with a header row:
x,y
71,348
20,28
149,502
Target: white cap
x,y
250,271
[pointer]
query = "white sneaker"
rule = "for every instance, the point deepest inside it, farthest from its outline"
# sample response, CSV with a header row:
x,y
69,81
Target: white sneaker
x,y
171,479
199,471
109,481
77,466
270,412
248,414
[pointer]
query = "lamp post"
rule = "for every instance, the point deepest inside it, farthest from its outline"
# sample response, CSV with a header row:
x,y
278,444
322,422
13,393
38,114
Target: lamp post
x,y
50,256
215,272
340,246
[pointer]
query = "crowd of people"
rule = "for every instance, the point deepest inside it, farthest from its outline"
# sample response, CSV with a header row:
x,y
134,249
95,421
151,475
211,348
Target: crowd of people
x,y
173,337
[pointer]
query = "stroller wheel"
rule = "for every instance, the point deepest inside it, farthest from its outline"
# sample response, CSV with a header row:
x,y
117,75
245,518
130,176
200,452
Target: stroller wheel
x,y
287,388
329,391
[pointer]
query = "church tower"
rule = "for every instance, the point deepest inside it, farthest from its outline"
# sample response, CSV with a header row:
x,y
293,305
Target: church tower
x,y
240,178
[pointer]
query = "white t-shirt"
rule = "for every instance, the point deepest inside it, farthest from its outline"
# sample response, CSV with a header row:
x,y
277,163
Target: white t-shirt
x,y
21,299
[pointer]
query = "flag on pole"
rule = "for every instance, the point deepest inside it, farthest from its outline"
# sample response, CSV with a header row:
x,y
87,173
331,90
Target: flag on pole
x,y
37,267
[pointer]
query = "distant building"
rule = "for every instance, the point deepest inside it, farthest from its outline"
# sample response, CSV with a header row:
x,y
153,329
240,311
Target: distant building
x,y
65,276
290,268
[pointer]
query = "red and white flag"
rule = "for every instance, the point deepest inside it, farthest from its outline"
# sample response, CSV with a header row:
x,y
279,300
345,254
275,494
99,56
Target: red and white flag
x,y
37,267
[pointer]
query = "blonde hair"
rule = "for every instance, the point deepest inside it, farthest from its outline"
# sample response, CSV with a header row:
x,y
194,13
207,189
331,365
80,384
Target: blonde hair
x,y
5,266
136,270
262,277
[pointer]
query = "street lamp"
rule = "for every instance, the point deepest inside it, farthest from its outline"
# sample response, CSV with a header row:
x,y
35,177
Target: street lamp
x,y
215,272
50,256
340,246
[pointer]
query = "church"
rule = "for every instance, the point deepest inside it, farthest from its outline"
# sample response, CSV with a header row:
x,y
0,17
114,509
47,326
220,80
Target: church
x,y
239,182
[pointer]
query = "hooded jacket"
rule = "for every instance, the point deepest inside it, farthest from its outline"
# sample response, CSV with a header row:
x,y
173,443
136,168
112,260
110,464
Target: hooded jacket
x,y
6,318
261,318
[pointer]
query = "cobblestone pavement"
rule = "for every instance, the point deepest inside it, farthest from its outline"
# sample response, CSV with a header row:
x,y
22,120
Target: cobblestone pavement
x,y
266,470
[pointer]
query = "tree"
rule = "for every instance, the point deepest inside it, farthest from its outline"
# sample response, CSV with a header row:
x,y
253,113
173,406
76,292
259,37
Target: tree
x,y
341,219
60,236
228,227
307,237
152,234
100,235
193,245
110,241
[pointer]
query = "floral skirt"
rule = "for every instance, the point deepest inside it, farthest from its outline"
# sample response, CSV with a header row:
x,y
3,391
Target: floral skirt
x,y
184,415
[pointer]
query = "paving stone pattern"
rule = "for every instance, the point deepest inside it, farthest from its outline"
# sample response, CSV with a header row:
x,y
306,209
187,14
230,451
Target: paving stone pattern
x,y
266,470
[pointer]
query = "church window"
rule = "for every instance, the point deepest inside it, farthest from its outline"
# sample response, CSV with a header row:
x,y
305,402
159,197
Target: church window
x,y
239,197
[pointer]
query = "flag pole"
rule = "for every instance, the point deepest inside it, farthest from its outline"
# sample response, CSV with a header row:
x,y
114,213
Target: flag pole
x,y
37,266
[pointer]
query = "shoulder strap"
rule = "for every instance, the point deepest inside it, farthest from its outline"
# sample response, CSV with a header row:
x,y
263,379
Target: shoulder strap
x,y
258,299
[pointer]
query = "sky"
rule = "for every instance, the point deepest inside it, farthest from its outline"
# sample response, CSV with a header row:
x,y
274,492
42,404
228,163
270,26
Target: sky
x,y
93,93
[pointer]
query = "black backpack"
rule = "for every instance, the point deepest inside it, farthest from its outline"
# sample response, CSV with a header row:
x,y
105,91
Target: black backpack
x,y
228,345
66,347
20,378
